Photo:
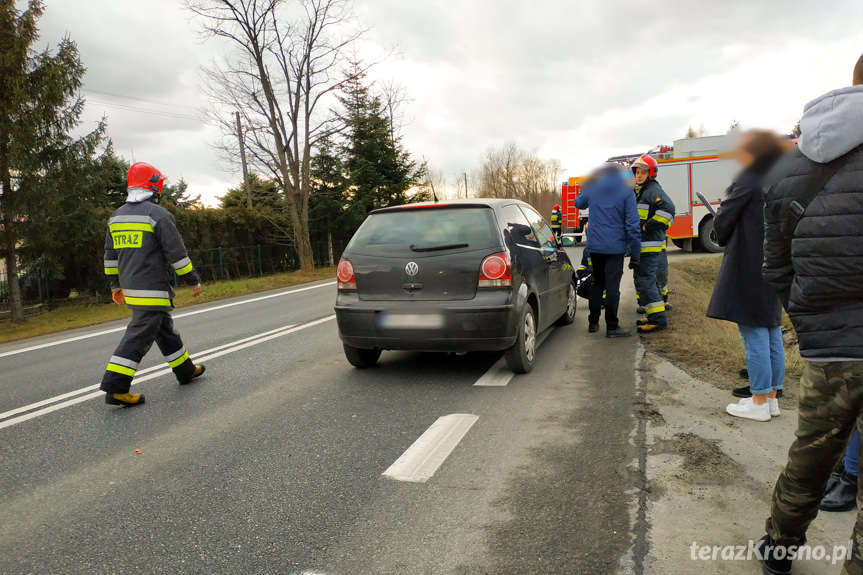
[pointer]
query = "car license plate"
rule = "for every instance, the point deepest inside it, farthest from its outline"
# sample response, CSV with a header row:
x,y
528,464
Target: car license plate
x,y
411,321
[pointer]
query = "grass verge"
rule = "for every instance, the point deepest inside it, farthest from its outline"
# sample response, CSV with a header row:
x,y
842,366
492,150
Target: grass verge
x,y
709,349
72,316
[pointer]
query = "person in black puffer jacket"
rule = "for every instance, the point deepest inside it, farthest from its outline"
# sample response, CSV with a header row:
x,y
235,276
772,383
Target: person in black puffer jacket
x,y
816,267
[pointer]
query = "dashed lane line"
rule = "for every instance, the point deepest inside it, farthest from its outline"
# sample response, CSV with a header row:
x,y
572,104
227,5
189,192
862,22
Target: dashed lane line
x,y
422,459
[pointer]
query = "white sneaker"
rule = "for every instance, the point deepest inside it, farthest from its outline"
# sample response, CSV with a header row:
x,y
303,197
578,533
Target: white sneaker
x,y
747,409
773,403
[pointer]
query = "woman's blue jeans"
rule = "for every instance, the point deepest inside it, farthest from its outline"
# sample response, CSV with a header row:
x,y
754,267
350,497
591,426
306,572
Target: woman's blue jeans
x,y
765,357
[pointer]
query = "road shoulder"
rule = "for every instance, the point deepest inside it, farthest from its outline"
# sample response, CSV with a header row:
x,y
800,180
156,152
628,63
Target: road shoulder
x,y
709,477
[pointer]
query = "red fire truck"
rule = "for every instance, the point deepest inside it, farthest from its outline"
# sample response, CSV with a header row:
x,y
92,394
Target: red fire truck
x,y
692,165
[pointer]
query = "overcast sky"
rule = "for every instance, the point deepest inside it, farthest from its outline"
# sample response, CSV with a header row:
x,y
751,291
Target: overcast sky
x,y
577,80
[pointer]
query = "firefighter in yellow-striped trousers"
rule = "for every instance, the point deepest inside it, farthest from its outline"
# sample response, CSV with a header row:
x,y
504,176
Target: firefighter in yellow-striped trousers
x,y
143,250
656,211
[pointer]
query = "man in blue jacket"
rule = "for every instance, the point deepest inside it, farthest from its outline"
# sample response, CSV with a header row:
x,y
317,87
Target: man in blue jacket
x,y
614,229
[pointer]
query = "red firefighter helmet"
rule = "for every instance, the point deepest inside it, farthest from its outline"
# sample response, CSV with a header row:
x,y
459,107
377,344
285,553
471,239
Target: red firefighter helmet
x,y
556,206
143,175
648,164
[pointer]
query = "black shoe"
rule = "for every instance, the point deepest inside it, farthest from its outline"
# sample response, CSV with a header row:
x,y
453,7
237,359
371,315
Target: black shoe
x,y
124,399
744,373
747,392
199,371
770,564
668,306
842,496
834,479
618,332
593,328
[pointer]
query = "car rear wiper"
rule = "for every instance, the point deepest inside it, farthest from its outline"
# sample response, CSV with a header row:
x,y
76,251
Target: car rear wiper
x,y
437,248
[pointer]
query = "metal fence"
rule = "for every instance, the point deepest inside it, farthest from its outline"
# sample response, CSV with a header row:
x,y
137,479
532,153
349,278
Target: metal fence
x,y
40,291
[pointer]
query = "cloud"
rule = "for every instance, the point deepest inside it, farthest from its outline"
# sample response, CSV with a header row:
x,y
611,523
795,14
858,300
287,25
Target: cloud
x,y
577,80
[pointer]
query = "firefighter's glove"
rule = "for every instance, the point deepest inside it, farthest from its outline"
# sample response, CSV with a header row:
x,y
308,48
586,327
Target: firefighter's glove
x,y
117,296
196,291
633,263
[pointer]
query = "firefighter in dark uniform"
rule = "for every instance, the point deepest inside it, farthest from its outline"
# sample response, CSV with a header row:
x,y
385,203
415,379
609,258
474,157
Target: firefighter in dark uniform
x,y
657,214
143,250
556,221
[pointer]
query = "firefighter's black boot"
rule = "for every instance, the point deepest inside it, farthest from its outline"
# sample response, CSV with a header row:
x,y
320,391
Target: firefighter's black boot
x,y
199,371
124,399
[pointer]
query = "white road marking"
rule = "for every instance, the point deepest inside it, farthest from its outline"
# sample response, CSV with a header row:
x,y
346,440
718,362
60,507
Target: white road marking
x,y
145,375
499,375
427,454
138,375
176,316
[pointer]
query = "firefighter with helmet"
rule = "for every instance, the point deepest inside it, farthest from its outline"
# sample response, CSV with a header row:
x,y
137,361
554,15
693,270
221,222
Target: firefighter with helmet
x,y
143,251
556,221
656,211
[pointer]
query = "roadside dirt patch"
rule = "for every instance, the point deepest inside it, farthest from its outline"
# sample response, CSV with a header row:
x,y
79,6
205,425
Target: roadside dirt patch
x,y
704,463
646,410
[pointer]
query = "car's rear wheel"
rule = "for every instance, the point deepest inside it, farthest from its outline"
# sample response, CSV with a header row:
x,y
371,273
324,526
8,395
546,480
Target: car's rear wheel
x,y
571,305
520,356
708,239
362,358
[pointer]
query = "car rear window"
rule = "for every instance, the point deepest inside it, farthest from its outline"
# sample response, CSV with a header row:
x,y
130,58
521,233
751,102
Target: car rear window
x,y
426,230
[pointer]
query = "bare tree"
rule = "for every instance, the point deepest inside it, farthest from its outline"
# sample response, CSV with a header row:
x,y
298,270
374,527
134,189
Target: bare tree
x,y
289,59
510,172
394,97
697,133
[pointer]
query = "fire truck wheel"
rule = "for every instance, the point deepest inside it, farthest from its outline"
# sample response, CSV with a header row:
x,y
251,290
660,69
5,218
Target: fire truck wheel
x,y
707,237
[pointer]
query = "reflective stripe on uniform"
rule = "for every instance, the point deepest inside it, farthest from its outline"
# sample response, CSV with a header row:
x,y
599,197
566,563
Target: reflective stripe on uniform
x,y
183,266
651,247
121,369
123,361
175,355
643,211
179,360
147,297
663,217
655,307
132,220
131,227
111,267
146,293
149,301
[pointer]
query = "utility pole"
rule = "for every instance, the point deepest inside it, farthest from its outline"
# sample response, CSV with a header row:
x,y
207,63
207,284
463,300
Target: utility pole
x,y
465,184
243,160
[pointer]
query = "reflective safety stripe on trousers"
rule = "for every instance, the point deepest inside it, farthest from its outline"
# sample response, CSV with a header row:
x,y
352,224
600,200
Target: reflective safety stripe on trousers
x,y
651,247
122,366
177,358
147,297
655,307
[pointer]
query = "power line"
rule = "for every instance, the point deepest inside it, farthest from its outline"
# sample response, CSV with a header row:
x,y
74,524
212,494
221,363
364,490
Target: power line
x,y
148,101
146,110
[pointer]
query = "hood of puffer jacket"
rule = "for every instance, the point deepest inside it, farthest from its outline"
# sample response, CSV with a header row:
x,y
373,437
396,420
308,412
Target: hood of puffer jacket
x,y
832,125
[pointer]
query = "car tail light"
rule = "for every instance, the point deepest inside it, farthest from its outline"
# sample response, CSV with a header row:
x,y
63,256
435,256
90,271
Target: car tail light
x,y
495,271
345,274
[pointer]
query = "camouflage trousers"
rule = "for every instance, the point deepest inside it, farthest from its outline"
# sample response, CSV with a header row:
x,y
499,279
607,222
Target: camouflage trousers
x,y
830,408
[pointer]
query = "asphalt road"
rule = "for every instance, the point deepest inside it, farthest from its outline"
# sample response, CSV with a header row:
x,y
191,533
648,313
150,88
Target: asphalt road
x,y
273,462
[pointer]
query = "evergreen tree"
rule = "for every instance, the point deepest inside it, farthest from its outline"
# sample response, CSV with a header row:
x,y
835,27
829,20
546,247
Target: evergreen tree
x,y
380,171
178,195
39,106
264,193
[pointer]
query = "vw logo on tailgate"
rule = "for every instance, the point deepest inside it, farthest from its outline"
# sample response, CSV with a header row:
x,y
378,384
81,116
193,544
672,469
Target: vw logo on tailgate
x,y
412,269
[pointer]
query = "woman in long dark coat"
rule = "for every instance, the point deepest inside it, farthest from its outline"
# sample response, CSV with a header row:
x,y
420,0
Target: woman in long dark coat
x,y
740,294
